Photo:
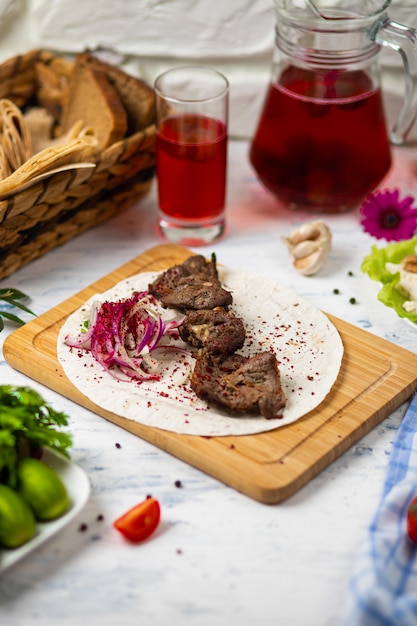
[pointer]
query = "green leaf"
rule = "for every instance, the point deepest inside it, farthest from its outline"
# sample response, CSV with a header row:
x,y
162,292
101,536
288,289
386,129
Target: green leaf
x,y
9,292
26,417
18,305
12,297
375,266
12,317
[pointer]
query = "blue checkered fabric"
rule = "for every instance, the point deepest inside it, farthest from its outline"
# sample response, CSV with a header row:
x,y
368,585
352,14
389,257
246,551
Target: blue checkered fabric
x,y
383,586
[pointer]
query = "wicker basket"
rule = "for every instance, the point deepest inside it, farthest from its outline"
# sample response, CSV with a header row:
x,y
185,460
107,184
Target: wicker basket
x,y
52,211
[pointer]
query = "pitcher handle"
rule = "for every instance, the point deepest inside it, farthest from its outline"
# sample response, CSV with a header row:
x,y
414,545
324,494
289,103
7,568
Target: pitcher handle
x,y
402,39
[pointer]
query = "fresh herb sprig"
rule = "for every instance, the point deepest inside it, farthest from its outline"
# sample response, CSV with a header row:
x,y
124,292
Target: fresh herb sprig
x,y
13,297
27,424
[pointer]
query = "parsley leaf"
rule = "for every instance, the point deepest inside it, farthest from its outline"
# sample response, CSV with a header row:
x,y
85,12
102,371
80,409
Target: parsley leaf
x,y
27,423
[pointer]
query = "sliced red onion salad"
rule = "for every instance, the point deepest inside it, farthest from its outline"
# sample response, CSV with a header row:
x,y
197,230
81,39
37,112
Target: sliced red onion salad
x,y
124,335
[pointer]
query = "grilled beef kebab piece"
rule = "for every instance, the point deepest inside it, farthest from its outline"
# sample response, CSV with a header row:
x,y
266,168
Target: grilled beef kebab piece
x,y
213,330
221,375
240,384
192,285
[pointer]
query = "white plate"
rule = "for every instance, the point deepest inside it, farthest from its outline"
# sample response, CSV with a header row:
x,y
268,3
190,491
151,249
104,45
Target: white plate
x,y
78,487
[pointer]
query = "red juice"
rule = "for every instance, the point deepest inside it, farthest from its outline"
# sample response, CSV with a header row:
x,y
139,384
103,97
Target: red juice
x,y
191,155
322,141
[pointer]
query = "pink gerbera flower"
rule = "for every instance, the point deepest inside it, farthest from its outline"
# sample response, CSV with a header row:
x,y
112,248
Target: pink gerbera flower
x,y
385,216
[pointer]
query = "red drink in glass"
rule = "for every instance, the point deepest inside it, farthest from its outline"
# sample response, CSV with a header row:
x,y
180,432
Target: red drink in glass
x,y
191,155
191,152
322,141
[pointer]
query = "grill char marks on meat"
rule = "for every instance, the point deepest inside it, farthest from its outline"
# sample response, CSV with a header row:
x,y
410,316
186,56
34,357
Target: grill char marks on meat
x,y
192,285
213,330
240,384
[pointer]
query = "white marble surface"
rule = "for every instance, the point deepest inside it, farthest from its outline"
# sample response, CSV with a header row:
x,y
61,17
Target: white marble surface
x,y
218,557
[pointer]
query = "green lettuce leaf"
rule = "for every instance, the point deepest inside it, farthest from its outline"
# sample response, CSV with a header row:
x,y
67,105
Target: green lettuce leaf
x,y
374,266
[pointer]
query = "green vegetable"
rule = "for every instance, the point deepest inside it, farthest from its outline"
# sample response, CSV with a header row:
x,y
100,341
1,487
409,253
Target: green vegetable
x,y
12,296
27,423
374,266
17,521
42,489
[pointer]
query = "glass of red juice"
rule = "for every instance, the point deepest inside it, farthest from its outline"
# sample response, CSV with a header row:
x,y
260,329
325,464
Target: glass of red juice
x,y
191,154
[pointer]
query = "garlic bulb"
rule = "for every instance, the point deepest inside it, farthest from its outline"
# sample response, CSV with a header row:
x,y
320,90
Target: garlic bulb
x,y
309,246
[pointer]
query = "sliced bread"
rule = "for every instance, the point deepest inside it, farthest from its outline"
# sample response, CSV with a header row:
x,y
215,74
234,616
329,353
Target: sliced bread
x,y
136,96
92,99
53,77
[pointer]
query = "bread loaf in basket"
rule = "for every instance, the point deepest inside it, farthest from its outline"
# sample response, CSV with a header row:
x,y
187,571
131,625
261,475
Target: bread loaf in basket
x,y
119,108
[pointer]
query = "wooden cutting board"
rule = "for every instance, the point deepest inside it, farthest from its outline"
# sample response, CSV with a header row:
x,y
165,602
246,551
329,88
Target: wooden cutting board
x,y
375,378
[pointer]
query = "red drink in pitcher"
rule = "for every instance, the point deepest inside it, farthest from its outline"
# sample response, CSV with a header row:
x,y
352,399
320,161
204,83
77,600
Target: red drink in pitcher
x,y
191,154
322,141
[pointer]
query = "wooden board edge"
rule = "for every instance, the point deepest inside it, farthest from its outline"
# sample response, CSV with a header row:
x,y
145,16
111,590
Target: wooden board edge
x,y
261,490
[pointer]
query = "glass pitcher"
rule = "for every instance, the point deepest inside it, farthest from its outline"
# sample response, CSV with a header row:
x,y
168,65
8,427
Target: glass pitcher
x,y
322,141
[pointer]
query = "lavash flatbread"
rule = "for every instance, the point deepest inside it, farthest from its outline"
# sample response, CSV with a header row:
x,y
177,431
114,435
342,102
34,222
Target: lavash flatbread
x,y
307,345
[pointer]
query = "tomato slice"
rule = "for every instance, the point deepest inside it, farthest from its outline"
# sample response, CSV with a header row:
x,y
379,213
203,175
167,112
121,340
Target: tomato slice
x,y
139,522
412,520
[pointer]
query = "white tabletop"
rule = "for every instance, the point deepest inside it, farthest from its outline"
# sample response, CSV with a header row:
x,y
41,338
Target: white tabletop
x,y
218,557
